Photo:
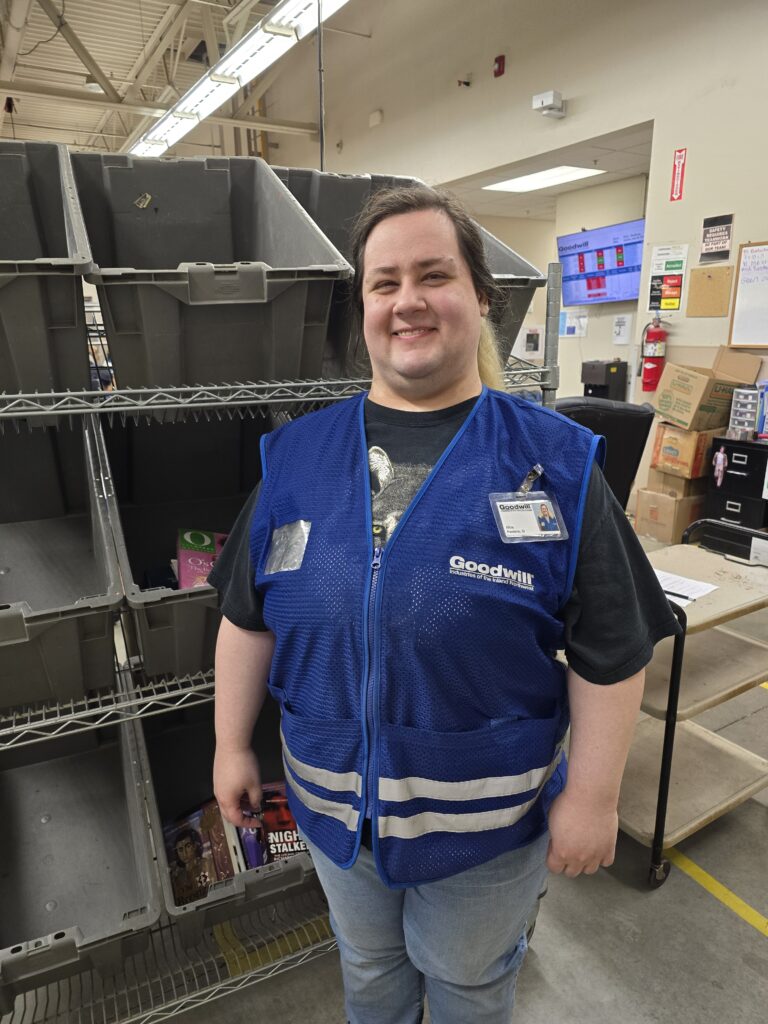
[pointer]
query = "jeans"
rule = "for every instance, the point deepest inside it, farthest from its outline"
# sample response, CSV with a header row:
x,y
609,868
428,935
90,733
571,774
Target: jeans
x,y
462,940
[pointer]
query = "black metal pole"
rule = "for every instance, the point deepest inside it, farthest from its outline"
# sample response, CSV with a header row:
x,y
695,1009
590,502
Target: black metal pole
x,y
321,81
660,867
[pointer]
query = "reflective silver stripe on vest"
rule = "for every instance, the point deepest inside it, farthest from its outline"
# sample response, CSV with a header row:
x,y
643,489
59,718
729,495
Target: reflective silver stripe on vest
x,y
393,827
343,782
414,788
344,813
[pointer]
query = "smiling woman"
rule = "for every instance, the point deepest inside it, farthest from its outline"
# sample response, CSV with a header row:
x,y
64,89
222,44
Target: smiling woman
x,y
422,292
423,712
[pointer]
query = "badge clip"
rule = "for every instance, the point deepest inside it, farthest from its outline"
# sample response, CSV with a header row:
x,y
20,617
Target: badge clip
x,y
534,474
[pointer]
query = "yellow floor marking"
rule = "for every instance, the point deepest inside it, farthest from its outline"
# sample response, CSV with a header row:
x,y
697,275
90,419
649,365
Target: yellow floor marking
x,y
719,891
764,686
239,960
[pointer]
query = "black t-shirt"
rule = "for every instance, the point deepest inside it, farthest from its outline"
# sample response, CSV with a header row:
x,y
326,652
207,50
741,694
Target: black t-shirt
x,y
616,612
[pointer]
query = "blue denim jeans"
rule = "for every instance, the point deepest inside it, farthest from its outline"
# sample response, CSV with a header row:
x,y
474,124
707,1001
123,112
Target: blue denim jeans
x,y
462,940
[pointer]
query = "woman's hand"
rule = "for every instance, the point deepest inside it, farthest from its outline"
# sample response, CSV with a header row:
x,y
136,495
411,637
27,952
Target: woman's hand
x,y
237,784
582,835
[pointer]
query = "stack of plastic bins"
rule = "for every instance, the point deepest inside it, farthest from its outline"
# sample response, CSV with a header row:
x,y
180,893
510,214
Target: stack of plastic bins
x,y
79,887
208,270
334,201
176,754
59,582
43,253
192,474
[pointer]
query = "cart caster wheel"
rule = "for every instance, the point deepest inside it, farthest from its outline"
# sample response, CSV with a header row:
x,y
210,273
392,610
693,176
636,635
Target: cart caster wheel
x,y
657,876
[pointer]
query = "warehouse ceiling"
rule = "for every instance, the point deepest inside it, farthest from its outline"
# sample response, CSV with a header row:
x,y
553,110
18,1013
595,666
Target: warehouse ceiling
x,y
94,75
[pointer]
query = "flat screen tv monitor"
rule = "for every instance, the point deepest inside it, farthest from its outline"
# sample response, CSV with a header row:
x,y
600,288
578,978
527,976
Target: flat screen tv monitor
x,y
602,265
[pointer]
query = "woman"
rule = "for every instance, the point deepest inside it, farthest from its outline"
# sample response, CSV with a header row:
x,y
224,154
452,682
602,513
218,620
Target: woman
x,y
409,633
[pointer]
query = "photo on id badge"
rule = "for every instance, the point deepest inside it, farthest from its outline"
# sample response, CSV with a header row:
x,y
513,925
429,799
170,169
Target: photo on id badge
x,y
527,517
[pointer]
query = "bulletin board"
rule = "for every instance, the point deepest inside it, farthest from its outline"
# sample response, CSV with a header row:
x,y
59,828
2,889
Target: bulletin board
x,y
749,318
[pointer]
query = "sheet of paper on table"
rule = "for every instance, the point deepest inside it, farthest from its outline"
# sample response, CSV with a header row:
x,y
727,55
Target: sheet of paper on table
x,y
681,589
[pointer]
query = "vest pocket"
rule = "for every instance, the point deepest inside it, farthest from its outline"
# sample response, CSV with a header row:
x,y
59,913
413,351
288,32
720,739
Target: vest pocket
x,y
500,759
323,755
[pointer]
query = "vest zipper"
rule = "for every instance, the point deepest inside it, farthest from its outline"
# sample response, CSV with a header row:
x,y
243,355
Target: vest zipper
x,y
370,710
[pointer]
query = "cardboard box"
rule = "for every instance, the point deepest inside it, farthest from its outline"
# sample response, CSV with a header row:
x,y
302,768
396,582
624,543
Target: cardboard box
x,y
675,486
683,453
696,398
664,518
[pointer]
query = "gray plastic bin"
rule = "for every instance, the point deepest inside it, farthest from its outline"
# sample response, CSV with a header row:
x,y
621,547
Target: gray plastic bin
x,y
176,754
334,201
43,251
208,270
160,478
59,581
79,887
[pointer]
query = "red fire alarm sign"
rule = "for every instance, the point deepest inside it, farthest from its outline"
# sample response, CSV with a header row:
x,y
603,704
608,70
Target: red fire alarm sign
x,y
498,66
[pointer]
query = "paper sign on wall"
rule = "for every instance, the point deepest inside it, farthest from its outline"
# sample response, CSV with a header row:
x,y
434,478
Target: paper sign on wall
x,y
622,328
716,238
529,343
665,288
573,325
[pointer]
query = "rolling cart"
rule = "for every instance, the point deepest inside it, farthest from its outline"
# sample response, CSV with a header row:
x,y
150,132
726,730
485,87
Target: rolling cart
x,y
662,803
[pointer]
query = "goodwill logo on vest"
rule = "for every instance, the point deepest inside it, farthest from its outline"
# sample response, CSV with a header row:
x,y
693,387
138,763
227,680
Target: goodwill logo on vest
x,y
492,573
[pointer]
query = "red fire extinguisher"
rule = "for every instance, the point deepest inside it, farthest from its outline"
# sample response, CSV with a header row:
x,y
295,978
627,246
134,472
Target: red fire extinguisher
x,y
654,352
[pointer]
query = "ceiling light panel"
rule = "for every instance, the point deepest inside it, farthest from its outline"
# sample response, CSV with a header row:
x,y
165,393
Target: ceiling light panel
x,y
543,179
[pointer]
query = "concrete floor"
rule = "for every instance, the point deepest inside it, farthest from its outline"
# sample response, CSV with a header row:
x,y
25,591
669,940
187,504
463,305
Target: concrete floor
x,y
606,947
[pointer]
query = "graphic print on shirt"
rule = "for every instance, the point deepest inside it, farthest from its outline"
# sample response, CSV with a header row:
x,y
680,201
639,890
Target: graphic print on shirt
x,y
393,486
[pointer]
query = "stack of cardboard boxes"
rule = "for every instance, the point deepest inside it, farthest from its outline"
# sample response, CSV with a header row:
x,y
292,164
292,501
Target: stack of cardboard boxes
x,y
694,405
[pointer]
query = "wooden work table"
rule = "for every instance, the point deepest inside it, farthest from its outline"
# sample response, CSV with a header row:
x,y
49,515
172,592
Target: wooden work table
x,y
709,774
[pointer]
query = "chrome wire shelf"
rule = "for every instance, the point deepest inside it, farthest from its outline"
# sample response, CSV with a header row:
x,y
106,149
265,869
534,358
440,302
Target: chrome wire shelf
x,y
167,979
21,726
226,398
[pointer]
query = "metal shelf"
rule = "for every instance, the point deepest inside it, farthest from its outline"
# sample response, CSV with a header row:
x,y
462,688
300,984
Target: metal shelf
x,y
167,978
134,698
222,397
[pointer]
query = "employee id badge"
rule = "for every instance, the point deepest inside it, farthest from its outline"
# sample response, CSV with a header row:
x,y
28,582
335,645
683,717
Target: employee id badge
x,y
528,516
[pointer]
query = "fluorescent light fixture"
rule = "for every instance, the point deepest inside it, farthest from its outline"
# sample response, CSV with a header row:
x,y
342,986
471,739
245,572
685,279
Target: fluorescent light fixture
x,y
207,95
543,179
286,24
149,149
247,62
170,128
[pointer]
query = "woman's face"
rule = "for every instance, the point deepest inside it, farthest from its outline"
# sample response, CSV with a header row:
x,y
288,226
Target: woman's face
x,y
422,314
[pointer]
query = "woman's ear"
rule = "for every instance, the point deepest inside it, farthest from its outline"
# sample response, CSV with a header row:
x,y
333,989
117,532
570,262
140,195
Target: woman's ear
x,y
484,305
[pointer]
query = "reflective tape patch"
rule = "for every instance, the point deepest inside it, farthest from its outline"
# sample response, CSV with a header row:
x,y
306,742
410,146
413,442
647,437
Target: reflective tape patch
x,y
414,788
344,782
345,813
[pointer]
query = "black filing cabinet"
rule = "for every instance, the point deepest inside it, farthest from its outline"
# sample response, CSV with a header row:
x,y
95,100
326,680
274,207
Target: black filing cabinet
x,y
738,483
604,378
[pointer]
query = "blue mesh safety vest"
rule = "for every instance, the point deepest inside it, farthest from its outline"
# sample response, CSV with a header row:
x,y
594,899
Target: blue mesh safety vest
x,y
419,683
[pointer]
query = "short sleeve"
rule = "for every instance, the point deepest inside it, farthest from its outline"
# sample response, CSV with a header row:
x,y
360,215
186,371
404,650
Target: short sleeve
x,y
617,611
232,575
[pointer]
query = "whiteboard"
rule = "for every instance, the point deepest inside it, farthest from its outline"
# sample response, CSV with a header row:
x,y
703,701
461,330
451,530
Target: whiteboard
x,y
749,320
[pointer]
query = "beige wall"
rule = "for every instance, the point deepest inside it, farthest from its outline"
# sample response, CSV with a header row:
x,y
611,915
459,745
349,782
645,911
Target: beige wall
x,y
696,69
534,240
